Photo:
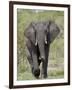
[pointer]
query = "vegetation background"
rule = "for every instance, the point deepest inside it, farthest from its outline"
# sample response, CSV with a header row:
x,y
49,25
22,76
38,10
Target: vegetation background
x,y
56,55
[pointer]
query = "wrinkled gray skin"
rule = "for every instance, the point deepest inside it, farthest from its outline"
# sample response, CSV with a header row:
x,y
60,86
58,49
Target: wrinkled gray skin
x,y
39,36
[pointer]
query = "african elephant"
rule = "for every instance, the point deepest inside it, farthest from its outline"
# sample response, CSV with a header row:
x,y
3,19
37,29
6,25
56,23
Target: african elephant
x,y
39,36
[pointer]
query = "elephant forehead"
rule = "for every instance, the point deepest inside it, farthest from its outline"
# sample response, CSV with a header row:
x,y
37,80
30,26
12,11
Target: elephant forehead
x,y
40,27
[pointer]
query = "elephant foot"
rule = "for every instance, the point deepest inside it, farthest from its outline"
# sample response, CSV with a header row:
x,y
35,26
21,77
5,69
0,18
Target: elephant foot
x,y
44,76
36,73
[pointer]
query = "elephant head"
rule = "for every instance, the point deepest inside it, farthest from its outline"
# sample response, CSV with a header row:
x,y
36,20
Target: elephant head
x,y
41,34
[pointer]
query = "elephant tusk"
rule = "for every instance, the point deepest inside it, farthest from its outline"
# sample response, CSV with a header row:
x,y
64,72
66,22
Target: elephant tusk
x,y
45,40
36,43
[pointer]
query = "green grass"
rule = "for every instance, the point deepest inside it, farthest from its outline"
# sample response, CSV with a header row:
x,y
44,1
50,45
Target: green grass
x,y
26,76
55,74
51,75
56,55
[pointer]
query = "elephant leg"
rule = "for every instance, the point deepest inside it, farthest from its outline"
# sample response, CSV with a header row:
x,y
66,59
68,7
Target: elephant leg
x,y
45,64
32,58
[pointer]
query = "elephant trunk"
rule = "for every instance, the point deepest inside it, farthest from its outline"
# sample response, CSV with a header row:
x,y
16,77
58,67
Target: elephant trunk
x,y
41,46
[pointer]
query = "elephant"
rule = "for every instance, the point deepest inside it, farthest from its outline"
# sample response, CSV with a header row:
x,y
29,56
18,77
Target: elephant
x,y
39,36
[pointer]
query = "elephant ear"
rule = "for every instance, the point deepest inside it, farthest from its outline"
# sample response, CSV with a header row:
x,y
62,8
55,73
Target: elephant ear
x,y
53,31
30,33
